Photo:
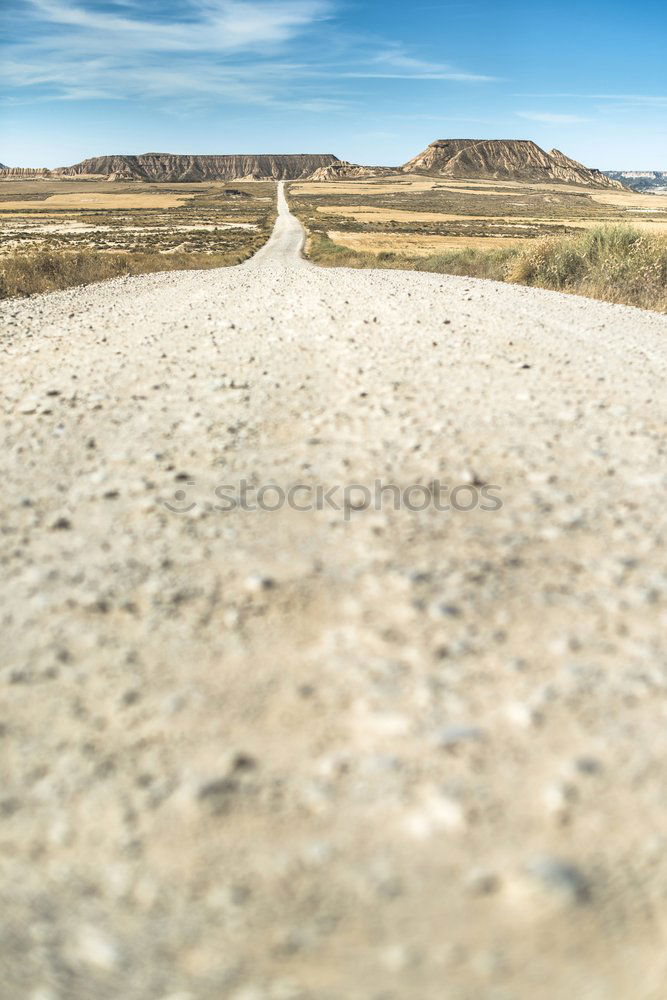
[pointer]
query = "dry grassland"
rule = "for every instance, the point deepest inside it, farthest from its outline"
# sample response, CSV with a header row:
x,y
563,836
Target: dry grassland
x,y
632,200
363,213
422,246
55,233
605,244
91,199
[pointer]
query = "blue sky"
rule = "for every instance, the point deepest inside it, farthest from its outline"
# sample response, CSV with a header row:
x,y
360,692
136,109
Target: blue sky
x,y
372,82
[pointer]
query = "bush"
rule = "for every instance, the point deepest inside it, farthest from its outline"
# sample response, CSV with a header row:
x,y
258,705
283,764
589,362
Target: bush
x,y
616,263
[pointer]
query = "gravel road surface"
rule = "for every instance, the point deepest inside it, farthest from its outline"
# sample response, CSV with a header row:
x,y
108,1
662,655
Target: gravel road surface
x,y
359,753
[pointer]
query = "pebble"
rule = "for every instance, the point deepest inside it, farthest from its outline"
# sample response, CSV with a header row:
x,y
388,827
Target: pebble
x,y
522,714
93,947
256,583
436,812
558,798
453,736
482,882
557,875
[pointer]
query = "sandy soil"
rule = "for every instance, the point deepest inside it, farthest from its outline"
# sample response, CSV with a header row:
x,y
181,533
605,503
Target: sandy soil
x,y
350,753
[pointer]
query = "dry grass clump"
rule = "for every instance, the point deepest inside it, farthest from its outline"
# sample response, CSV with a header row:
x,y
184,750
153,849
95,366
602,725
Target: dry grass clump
x,y
470,262
42,270
614,263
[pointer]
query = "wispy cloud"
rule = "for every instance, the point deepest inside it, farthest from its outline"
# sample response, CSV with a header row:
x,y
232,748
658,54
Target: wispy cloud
x,y
217,26
626,100
268,52
396,64
549,118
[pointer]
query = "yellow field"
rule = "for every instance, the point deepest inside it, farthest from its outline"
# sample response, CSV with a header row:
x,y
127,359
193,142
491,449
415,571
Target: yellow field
x,y
632,200
90,199
365,213
407,183
371,186
421,246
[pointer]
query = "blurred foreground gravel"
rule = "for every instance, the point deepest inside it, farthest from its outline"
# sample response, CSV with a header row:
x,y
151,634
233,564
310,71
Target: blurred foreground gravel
x,y
361,754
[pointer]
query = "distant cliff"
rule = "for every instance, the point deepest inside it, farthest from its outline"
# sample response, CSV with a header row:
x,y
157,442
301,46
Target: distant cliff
x,y
177,167
9,172
651,181
503,159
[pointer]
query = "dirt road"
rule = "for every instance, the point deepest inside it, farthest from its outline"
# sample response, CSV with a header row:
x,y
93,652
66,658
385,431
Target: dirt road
x,y
332,753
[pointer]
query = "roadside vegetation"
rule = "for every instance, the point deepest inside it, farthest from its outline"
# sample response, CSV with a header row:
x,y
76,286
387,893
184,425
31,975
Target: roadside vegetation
x,y
37,271
613,263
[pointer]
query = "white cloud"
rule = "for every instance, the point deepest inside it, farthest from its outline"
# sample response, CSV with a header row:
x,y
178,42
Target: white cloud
x,y
549,118
219,26
625,100
394,63
278,53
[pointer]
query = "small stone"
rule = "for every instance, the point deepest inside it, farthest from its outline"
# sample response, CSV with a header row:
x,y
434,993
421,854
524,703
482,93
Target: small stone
x,y
218,794
559,797
434,813
523,714
94,948
452,736
562,877
61,524
482,882
256,583
588,765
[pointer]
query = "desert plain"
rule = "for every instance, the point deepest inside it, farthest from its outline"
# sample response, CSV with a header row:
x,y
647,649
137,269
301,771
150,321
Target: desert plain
x,y
405,214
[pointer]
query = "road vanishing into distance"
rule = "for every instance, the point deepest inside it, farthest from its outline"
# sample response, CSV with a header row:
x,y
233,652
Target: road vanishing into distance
x,y
333,639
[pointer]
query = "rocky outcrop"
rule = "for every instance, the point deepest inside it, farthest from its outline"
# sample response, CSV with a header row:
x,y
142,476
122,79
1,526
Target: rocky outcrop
x,y
176,167
577,172
503,159
7,173
342,170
